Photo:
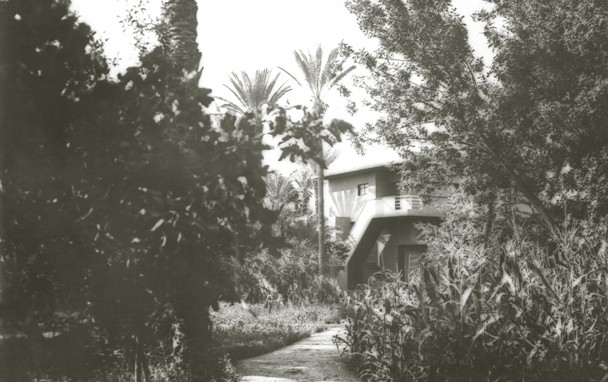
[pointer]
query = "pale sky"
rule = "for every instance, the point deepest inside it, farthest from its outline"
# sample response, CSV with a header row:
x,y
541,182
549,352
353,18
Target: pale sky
x,y
237,35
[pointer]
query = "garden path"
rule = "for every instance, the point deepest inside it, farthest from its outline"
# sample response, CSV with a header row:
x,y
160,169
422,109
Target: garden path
x,y
312,359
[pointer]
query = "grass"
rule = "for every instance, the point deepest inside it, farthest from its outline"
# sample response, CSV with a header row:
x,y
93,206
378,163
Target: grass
x,y
243,334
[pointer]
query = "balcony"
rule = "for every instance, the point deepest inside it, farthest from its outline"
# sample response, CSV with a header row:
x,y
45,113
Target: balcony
x,y
368,223
390,206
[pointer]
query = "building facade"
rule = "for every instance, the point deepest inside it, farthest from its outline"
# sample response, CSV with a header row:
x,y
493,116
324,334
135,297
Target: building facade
x,y
364,203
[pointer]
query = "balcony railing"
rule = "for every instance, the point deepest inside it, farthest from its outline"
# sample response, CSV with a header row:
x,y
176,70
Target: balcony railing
x,y
390,206
413,202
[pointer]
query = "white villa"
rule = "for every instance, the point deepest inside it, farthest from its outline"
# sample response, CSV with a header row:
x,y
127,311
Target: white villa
x,y
363,201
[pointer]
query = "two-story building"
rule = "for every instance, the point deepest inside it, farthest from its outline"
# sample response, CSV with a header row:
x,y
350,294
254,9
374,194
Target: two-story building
x,y
363,201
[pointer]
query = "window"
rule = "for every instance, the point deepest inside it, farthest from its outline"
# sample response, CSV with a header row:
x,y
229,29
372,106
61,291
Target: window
x,y
362,189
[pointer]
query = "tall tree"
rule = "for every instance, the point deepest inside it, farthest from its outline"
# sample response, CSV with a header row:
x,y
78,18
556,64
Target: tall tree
x,y
320,77
529,121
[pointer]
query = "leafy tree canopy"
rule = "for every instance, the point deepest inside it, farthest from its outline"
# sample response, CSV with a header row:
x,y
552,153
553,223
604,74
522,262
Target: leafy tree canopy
x,y
534,120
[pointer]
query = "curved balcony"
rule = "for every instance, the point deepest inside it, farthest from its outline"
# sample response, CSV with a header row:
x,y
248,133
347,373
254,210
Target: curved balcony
x,y
367,225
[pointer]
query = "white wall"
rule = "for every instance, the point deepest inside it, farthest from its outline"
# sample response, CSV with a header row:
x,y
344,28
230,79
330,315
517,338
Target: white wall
x,y
342,199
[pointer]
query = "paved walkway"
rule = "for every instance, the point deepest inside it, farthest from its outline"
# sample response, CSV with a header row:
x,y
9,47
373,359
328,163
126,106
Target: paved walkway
x,y
313,359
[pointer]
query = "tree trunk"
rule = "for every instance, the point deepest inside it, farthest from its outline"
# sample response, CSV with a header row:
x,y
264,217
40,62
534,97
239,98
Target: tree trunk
x,y
142,370
178,40
323,260
196,328
180,32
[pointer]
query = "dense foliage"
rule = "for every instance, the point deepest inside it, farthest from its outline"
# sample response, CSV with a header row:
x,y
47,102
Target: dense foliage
x,y
287,278
121,203
513,285
486,312
285,271
122,207
533,119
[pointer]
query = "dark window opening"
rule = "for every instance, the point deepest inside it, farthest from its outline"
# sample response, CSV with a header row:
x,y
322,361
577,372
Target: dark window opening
x,y
408,259
362,189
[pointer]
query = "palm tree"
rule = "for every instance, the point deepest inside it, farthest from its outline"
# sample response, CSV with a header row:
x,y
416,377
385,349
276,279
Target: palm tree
x,y
281,197
304,184
178,34
320,77
252,93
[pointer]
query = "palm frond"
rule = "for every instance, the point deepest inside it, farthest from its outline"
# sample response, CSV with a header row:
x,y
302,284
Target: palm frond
x,y
318,66
233,109
316,74
290,75
251,92
231,106
341,76
273,94
269,86
248,88
306,67
330,64
279,93
237,88
280,193
243,104
260,85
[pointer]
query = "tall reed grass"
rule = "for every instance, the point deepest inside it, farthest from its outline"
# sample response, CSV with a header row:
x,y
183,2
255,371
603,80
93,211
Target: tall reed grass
x,y
498,310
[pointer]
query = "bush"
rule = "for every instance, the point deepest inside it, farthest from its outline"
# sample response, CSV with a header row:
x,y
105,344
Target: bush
x,y
483,311
289,277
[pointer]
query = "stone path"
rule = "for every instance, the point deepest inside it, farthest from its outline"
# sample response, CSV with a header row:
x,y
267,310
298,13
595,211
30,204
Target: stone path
x,y
312,359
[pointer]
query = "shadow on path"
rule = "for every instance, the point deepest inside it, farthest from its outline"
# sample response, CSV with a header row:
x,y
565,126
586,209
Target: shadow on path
x,y
312,359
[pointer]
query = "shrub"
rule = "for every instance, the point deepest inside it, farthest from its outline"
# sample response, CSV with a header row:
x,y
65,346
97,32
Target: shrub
x,y
484,311
290,276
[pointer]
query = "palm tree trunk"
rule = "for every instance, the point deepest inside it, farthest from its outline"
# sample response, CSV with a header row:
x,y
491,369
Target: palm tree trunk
x,y
179,40
192,312
142,369
323,260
